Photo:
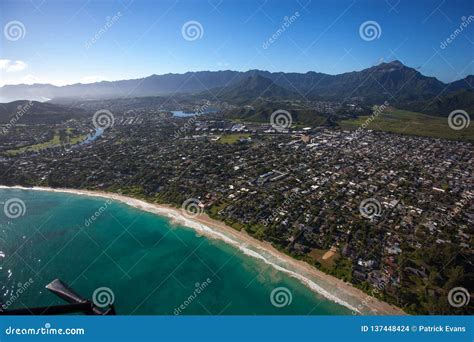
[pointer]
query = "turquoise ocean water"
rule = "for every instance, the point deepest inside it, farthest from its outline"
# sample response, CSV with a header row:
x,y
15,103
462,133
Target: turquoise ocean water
x,y
151,265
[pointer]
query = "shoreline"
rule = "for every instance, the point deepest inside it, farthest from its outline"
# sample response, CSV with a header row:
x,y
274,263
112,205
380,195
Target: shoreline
x,y
325,285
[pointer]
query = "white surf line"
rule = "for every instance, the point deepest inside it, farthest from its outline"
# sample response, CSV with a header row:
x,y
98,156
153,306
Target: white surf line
x,y
205,230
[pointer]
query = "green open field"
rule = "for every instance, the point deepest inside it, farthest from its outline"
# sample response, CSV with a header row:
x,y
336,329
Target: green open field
x,y
232,138
412,123
69,139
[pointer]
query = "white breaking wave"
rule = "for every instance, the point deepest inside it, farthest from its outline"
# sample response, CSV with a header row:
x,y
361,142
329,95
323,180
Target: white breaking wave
x,y
207,231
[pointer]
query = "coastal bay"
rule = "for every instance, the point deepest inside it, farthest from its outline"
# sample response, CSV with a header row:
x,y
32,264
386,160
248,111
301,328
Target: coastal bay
x,y
263,267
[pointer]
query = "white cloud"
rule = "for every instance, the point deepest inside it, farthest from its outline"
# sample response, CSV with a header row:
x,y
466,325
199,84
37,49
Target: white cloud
x,y
8,65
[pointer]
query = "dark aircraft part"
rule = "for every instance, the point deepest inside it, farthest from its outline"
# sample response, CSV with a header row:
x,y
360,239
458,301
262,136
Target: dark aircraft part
x,y
65,292
77,304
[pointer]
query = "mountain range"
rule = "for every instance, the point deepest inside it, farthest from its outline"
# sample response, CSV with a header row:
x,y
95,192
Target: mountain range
x,y
391,81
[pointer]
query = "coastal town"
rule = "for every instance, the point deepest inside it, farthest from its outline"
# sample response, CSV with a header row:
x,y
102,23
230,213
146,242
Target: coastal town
x,y
249,171
390,213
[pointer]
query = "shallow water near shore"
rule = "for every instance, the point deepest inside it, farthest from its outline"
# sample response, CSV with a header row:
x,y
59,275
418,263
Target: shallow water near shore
x,y
151,265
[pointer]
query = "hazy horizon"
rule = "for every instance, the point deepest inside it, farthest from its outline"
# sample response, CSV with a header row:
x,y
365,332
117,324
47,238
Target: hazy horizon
x,y
223,70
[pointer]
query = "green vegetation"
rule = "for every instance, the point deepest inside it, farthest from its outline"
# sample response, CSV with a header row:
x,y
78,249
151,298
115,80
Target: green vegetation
x,y
412,123
59,137
445,104
232,138
214,210
261,111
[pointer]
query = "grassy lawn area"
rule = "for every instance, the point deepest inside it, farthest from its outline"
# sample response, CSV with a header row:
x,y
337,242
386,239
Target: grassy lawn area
x,y
412,123
69,139
215,208
232,138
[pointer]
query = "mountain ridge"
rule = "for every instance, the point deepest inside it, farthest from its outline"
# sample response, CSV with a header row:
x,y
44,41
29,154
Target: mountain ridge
x,y
392,81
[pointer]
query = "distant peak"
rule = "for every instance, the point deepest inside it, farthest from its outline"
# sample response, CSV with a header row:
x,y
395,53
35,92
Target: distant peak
x,y
390,66
396,62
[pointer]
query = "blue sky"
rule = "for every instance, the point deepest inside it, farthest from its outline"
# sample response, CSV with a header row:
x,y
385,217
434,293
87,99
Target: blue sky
x,y
56,44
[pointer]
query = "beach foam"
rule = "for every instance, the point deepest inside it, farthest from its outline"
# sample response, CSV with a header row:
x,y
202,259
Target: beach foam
x,y
173,214
242,246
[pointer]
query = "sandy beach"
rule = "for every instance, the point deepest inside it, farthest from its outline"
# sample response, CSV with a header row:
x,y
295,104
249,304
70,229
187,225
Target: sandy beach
x,y
325,285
